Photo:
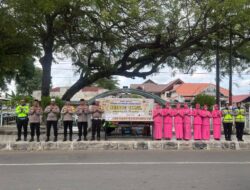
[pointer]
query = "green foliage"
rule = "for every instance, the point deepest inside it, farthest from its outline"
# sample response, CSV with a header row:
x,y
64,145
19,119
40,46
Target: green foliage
x,y
137,38
110,84
204,99
27,82
15,99
132,38
46,101
16,48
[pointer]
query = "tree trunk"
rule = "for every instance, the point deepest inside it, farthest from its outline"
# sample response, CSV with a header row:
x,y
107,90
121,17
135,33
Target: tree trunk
x,y
81,83
217,73
46,62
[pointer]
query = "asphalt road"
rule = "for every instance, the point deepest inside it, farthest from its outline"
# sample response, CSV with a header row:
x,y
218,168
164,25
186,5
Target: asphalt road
x,y
143,170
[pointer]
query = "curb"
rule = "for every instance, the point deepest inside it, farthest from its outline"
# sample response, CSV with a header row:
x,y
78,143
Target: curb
x,y
125,145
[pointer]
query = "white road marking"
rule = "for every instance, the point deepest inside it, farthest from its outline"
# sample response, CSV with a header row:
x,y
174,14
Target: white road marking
x,y
126,163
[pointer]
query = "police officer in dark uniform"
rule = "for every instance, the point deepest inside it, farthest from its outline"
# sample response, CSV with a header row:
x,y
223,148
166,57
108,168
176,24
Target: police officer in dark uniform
x,y
96,116
240,113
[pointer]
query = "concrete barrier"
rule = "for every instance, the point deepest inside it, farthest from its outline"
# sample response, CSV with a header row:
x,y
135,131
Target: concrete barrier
x,y
125,145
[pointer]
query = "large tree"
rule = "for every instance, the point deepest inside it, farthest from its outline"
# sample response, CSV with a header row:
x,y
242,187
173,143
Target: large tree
x,y
137,39
44,22
132,38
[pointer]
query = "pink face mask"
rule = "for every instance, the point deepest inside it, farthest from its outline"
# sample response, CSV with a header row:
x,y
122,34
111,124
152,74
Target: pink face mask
x,y
197,106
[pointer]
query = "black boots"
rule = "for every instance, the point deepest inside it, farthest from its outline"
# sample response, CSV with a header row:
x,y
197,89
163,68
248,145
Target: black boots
x,y
32,139
79,139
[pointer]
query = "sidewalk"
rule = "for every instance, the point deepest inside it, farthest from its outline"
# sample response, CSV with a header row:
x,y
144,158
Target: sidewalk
x,y
8,137
7,143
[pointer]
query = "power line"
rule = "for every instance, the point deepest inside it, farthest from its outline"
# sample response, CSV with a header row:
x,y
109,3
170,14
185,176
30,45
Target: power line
x,y
202,73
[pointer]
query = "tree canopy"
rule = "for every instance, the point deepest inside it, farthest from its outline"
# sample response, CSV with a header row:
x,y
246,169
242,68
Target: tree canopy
x,y
107,83
140,37
16,49
133,38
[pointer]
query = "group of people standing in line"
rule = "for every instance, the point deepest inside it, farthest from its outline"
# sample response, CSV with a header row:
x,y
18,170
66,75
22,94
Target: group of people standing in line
x,y
52,112
165,119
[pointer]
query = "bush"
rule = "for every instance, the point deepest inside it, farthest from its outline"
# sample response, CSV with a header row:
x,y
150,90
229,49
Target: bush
x,y
204,99
15,100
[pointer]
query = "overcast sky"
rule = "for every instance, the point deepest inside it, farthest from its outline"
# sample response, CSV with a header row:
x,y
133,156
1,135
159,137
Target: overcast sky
x,y
64,75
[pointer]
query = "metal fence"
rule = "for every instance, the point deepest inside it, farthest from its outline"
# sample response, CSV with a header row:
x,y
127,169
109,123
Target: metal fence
x,y
7,117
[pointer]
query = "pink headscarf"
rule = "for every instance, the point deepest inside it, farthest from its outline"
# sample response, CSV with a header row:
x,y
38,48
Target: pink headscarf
x,y
186,106
178,106
216,106
167,105
157,106
205,107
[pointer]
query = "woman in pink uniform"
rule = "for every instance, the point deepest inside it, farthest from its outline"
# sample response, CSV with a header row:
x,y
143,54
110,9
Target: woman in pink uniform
x,y
197,122
216,114
206,115
178,121
187,112
167,122
157,116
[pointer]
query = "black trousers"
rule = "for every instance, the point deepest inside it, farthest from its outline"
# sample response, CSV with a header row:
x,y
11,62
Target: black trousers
x,y
227,130
66,125
84,126
22,123
35,127
96,127
48,128
239,129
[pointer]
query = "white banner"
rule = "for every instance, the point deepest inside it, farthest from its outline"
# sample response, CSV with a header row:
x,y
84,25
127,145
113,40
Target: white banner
x,y
127,109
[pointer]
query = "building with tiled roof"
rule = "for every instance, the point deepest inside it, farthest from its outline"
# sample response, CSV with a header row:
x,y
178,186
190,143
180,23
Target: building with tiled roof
x,y
158,89
186,92
241,98
177,90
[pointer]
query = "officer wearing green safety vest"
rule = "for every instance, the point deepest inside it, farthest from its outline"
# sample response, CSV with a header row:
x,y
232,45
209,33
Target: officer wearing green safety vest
x,y
240,113
227,121
22,112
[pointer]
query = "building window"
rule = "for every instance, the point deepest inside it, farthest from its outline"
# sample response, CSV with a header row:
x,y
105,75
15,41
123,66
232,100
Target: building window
x,y
168,94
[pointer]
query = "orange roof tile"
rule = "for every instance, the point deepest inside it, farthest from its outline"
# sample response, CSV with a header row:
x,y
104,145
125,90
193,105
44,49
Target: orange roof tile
x,y
193,89
151,86
240,98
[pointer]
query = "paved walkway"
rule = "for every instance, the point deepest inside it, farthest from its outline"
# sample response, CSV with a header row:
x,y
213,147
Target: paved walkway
x,y
12,138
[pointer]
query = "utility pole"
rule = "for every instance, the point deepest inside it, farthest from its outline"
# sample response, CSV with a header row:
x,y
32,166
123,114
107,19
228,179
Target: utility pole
x,y
230,66
217,73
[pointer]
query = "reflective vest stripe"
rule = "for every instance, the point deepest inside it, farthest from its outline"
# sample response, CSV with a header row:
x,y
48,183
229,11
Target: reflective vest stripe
x,y
227,116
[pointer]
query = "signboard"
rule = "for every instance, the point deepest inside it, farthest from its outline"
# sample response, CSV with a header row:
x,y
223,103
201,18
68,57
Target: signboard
x,y
127,109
